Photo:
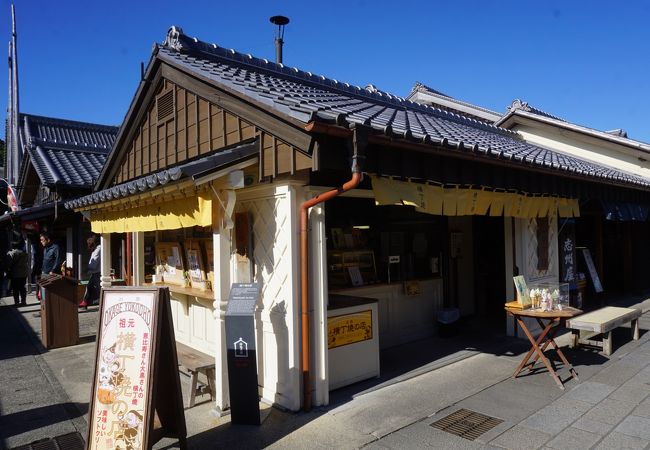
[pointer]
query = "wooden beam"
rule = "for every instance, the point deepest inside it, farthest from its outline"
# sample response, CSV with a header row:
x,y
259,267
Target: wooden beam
x,y
284,127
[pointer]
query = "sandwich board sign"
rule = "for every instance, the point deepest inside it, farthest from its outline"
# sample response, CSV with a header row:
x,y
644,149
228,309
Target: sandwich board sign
x,y
136,397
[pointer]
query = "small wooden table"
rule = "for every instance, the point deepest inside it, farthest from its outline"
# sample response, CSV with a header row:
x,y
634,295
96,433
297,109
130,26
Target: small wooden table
x,y
553,319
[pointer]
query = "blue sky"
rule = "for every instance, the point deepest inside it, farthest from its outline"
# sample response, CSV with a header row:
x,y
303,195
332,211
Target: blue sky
x,y
584,61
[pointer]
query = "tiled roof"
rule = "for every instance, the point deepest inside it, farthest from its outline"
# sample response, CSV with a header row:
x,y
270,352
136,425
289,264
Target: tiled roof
x,y
193,169
308,97
66,152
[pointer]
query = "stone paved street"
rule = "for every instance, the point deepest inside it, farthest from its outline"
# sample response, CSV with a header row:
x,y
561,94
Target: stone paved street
x,y
45,394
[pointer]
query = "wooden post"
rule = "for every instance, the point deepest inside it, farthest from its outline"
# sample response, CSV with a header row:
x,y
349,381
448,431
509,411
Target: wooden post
x,y
105,241
221,250
138,258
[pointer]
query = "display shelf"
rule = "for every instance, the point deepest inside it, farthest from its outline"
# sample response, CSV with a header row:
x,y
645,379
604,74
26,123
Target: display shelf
x,y
340,261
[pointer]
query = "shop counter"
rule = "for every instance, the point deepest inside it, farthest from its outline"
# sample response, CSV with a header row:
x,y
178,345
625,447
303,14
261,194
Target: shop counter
x,y
352,339
406,311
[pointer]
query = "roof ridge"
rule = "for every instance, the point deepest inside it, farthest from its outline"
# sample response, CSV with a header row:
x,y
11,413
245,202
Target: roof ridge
x,y
525,106
419,87
177,40
56,120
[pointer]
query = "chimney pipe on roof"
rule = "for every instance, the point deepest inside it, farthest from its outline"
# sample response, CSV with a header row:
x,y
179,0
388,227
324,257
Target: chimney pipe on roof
x,y
280,21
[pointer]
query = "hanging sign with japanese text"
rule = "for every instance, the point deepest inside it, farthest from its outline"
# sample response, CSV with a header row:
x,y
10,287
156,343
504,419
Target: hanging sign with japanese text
x,y
567,244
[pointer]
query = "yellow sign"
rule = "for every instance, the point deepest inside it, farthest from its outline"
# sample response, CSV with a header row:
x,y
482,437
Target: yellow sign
x,y
349,329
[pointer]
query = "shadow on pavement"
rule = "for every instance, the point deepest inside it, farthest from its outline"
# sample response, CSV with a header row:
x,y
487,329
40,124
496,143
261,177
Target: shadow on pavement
x,y
32,419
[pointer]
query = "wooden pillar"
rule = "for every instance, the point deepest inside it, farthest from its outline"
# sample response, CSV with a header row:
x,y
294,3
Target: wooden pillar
x,y
138,258
69,247
221,249
105,241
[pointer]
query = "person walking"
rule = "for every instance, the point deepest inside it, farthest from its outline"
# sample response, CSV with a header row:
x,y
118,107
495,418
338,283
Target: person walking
x,y
93,288
17,267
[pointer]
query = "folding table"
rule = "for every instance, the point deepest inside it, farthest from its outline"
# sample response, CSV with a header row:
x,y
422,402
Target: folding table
x,y
550,322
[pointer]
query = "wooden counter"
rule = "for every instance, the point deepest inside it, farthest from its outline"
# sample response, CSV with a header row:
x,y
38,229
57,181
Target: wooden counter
x,y
352,339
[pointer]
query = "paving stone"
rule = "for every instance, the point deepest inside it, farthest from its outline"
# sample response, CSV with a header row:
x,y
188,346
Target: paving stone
x,y
632,392
615,375
590,392
643,409
504,403
557,416
635,426
574,439
421,434
593,426
618,441
610,411
521,437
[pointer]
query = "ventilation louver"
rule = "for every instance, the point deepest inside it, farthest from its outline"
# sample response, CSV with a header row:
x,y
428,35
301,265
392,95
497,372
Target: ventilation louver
x,y
165,106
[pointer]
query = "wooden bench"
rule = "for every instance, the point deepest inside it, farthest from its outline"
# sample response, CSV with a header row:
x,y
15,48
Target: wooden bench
x,y
603,321
195,362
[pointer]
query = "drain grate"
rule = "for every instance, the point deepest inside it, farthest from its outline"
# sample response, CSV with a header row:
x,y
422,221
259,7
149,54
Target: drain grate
x,y
70,441
466,424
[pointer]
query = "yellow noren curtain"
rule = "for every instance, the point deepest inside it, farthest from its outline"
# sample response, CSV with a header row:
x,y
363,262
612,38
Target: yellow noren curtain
x,y
460,202
182,213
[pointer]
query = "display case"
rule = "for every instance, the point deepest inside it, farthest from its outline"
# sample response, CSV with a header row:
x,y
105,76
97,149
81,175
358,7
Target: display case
x,y
351,268
548,296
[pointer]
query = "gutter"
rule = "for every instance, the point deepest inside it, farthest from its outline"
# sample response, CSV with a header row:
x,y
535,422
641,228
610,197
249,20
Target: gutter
x,y
359,142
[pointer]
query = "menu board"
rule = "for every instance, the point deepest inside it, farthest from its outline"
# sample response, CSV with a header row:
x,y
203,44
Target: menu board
x,y
123,374
136,371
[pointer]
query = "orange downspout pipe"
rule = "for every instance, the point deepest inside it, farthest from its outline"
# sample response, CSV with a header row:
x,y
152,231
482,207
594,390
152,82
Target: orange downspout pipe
x,y
304,266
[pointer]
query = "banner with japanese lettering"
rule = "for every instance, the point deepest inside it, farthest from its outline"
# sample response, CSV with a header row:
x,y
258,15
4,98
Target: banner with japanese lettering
x,y
123,368
567,244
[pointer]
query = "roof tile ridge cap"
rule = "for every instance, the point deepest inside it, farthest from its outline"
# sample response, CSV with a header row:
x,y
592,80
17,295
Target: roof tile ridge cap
x,y
182,43
58,121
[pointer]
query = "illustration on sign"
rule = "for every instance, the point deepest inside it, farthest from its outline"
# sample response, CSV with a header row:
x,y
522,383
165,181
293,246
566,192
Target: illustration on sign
x,y
349,329
241,348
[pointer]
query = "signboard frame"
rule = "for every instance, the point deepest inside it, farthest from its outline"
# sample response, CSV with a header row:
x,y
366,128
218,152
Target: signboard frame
x,y
591,268
162,412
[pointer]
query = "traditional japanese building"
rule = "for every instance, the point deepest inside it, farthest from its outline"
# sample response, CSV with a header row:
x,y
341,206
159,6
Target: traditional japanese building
x,y
361,215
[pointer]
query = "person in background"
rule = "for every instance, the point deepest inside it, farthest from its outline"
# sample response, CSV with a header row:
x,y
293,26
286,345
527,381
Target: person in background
x,y
17,268
52,255
52,258
93,289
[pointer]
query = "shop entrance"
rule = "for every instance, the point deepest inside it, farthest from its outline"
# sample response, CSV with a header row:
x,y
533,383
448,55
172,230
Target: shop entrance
x,y
489,269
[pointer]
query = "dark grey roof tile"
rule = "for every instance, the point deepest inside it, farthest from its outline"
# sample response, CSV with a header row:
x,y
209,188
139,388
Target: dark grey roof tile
x,y
306,96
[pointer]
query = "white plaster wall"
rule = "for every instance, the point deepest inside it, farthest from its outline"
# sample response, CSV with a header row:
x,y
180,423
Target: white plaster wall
x,y
273,216
566,142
